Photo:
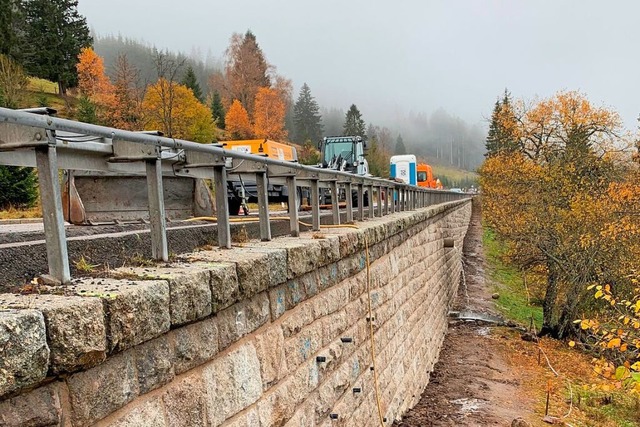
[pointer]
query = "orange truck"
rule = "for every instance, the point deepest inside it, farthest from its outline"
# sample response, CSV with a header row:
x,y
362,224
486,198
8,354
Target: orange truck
x,y
426,178
263,147
239,192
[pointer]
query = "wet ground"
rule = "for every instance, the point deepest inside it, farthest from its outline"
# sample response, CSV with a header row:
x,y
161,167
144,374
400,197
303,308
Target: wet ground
x,y
473,384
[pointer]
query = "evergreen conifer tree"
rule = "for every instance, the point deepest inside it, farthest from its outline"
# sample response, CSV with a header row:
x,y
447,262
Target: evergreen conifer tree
x,y
307,119
18,187
353,122
217,110
11,28
55,32
400,147
501,137
191,81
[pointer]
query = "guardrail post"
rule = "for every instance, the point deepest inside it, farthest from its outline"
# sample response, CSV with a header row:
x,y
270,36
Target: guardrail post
x,y
222,206
360,202
371,213
263,206
158,223
392,199
379,192
315,205
293,206
349,197
52,217
386,200
335,205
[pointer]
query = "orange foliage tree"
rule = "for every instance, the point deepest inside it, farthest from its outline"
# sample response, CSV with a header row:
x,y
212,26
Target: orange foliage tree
x,y
562,168
268,115
92,80
95,87
190,119
237,121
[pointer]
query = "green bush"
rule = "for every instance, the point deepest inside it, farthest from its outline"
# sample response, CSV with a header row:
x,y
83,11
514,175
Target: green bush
x,y
18,187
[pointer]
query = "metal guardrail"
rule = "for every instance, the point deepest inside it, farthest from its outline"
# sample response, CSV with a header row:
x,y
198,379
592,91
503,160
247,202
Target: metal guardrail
x,y
50,144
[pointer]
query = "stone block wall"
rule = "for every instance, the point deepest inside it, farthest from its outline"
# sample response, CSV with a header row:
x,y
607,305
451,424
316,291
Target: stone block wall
x,y
267,334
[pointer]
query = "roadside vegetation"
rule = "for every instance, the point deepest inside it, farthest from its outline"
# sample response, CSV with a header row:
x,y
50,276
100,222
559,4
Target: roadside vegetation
x,y
560,203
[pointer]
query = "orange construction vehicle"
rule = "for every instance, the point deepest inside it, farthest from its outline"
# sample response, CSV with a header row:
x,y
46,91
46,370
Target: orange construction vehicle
x,y
240,191
426,178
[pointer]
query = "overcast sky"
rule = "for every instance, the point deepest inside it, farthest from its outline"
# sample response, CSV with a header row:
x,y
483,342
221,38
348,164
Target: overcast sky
x,y
410,55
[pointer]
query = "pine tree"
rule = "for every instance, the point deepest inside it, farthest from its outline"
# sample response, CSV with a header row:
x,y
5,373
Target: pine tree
x,y
18,187
400,147
217,110
353,122
56,33
11,28
501,137
191,81
306,117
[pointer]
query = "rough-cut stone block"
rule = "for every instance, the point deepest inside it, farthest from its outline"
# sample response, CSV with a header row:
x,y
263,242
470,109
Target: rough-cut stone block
x,y
329,250
303,258
24,350
252,268
189,289
137,311
184,402
40,407
75,328
225,289
195,344
270,350
98,392
278,301
297,319
242,318
146,414
232,382
154,364
303,345
277,260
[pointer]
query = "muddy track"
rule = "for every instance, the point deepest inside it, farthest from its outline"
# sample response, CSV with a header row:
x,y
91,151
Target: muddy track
x,y
473,383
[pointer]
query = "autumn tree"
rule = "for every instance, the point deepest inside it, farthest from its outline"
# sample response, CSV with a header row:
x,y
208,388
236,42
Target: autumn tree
x,y
307,118
353,122
164,90
246,69
191,81
56,34
533,197
13,82
309,154
126,112
380,145
190,120
217,110
268,115
502,135
237,121
92,80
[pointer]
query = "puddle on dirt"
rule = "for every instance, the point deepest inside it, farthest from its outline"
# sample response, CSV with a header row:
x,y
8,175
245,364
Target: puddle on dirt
x,y
469,405
471,316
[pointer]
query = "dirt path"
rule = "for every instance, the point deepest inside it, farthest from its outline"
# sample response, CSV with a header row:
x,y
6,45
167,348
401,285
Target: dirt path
x,y
474,383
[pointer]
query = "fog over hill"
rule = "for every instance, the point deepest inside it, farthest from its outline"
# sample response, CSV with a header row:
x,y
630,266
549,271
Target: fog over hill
x,y
407,63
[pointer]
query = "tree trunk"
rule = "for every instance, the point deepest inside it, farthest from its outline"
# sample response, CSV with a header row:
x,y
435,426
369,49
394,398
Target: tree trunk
x,y
549,320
